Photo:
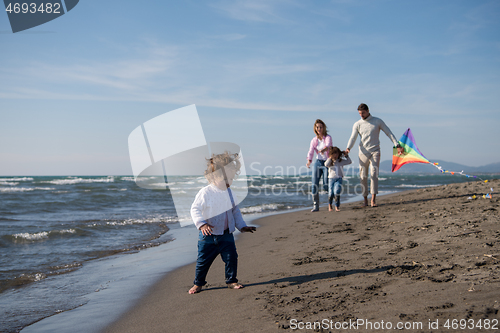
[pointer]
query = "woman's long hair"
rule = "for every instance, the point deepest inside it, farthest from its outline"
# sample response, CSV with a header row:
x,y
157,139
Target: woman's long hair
x,y
319,121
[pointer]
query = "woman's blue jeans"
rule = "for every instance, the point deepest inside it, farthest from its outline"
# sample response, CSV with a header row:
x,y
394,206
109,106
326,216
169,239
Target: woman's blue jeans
x,y
209,247
334,190
319,171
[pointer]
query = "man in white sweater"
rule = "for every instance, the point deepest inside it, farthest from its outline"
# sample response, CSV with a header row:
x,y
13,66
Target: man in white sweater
x,y
368,128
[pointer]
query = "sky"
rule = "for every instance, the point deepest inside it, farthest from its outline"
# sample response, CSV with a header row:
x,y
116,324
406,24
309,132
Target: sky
x,y
260,73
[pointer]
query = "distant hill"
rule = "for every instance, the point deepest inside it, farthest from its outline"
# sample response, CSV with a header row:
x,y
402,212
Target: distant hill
x,y
386,166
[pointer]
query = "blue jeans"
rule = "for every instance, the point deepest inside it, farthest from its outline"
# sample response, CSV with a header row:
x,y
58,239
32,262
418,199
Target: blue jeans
x,y
209,247
334,190
319,171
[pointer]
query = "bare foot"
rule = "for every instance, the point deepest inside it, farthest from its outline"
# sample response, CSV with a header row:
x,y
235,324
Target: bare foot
x,y
330,208
337,209
195,289
235,285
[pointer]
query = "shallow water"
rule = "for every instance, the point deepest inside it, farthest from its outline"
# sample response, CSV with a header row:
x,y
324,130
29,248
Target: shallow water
x,y
53,230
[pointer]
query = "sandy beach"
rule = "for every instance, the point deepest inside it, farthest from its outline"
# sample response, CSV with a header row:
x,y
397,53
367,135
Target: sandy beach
x,y
420,260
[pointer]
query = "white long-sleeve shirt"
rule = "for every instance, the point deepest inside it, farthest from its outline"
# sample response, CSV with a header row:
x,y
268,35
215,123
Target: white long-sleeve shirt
x,y
210,206
369,131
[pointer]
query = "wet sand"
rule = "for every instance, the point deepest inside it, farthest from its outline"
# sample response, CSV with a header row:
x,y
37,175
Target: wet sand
x,y
424,256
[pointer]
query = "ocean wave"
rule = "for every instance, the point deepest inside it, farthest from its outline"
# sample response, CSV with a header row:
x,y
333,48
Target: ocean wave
x,y
66,231
416,186
17,179
32,277
26,236
66,267
128,179
25,189
263,208
271,185
5,183
32,237
16,189
72,181
139,221
254,177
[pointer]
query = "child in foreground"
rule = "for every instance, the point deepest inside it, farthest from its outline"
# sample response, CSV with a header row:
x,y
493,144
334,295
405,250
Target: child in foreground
x,y
335,164
216,215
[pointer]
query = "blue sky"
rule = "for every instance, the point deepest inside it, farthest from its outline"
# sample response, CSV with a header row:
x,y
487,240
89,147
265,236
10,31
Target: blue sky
x,y
259,72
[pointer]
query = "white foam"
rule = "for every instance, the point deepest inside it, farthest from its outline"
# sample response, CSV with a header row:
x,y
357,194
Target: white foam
x,y
269,186
128,179
17,179
28,236
34,277
42,235
139,221
179,192
71,181
8,183
260,208
67,231
16,189
416,186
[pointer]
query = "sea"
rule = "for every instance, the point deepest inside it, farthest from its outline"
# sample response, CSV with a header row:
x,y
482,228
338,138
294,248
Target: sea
x,y
86,247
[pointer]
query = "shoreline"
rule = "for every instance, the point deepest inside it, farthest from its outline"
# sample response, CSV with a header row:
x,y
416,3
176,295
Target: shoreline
x,y
99,305
417,257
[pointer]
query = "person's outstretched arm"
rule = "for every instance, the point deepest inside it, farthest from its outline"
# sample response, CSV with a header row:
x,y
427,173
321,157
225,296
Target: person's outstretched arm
x,y
391,136
352,139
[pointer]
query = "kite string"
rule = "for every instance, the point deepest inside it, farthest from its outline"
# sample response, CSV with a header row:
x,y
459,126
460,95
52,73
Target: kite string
x,y
440,168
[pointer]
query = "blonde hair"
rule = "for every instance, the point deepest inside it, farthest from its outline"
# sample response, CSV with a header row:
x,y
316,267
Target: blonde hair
x,y
220,162
319,121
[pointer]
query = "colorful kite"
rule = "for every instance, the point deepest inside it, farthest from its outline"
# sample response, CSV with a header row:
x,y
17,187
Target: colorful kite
x,y
413,155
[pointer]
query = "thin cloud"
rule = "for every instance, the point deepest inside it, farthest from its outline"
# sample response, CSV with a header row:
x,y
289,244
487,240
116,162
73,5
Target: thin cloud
x,y
253,10
229,37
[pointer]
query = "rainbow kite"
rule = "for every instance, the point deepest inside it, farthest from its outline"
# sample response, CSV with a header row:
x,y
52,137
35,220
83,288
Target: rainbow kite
x,y
411,155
